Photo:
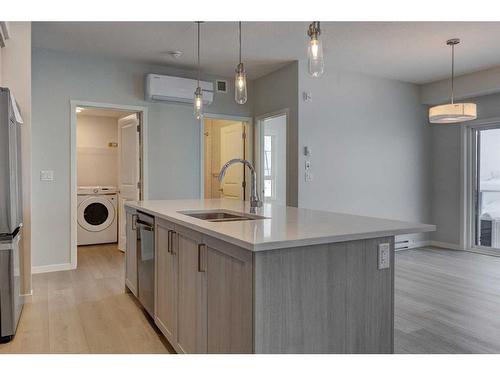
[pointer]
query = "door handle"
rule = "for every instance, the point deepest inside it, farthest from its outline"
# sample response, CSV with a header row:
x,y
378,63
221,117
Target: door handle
x,y
134,221
202,257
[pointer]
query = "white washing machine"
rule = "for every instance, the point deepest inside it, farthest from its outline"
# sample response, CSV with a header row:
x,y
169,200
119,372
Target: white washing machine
x,y
97,215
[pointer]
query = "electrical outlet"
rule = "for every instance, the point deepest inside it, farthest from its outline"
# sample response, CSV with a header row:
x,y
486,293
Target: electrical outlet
x,y
384,256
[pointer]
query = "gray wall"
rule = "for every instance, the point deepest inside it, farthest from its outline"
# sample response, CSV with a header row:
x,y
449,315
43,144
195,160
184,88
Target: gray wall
x,y
274,92
370,146
173,135
446,171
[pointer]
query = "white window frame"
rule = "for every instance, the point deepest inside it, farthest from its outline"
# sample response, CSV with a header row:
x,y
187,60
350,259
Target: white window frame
x,y
468,184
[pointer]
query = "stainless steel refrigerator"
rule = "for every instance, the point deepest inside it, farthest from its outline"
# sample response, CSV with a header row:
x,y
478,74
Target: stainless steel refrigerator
x,y
11,215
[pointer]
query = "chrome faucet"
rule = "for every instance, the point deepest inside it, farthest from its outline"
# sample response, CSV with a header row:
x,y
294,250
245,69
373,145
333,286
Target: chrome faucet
x,y
254,195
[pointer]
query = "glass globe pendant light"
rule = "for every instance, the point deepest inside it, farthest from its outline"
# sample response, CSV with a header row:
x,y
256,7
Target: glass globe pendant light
x,y
454,112
315,50
240,79
198,94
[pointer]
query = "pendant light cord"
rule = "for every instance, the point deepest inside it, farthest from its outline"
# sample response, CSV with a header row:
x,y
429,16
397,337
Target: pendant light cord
x,y
452,71
198,53
239,35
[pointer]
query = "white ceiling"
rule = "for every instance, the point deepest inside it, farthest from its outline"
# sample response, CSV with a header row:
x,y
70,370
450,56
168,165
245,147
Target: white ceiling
x,y
407,51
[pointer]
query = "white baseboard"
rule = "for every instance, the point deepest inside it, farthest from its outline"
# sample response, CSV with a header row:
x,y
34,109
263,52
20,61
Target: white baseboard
x,y
445,245
52,268
415,244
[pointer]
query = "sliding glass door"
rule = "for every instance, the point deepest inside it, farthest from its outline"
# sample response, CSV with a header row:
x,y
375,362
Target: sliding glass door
x,y
486,187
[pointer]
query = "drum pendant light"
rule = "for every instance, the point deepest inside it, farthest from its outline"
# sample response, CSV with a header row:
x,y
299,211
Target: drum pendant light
x,y
454,112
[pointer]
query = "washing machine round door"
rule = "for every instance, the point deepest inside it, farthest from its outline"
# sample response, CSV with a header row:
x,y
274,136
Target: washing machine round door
x,y
96,213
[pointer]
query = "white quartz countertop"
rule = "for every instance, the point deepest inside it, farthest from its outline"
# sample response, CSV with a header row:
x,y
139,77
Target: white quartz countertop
x,y
283,226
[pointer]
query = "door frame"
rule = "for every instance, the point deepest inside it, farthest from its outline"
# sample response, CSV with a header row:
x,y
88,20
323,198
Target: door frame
x,y
216,116
143,111
468,185
259,136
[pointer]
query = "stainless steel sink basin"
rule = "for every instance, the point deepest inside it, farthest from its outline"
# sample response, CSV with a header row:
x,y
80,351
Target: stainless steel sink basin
x,y
221,215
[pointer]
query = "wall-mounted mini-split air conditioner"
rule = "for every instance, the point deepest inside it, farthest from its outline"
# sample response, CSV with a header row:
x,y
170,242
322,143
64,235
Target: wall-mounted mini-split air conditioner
x,y
176,89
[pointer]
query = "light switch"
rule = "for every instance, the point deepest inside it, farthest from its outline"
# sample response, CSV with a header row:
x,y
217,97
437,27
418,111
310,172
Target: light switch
x,y
46,175
384,256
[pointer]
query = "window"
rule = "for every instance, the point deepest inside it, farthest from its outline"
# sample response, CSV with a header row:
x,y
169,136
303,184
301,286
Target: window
x,y
269,166
487,187
272,159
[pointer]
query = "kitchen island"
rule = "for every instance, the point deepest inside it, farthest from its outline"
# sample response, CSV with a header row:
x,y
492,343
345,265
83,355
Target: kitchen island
x,y
279,280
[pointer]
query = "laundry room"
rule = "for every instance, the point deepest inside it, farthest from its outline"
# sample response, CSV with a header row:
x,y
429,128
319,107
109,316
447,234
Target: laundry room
x,y
100,168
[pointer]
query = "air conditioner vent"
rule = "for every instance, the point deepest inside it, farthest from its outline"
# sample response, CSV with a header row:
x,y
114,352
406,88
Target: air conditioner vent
x,y
221,86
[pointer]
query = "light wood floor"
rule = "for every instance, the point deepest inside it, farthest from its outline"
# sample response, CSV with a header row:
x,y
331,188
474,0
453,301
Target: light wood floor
x,y
447,302
85,311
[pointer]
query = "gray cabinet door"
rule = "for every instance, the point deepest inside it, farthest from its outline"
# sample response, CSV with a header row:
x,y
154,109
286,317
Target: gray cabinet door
x,y
131,253
191,318
166,280
229,299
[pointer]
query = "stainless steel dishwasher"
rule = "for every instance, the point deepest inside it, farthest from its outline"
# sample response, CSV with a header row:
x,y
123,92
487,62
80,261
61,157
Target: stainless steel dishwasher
x,y
146,261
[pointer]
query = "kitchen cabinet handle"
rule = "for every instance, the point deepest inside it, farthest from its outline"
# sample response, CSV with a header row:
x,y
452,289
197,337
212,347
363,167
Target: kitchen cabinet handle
x,y
169,247
202,250
134,221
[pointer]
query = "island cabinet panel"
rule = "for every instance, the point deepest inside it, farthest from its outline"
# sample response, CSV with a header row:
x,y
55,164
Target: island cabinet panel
x,y
166,279
299,300
131,251
229,298
369,299
192,304
323,299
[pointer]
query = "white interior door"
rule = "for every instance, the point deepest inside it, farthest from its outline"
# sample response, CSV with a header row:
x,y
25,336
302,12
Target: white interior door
x,y
231,147
129,173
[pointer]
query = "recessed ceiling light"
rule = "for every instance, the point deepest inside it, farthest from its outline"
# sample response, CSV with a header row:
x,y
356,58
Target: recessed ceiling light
x,y
175,54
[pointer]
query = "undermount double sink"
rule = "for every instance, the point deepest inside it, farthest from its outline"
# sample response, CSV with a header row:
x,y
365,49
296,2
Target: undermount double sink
x,y
221,215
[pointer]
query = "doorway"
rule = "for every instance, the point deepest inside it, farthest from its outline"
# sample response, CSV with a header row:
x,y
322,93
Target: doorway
x,y
107,169
223,140
486,188
272,152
